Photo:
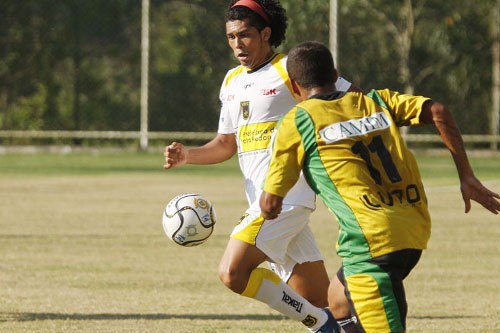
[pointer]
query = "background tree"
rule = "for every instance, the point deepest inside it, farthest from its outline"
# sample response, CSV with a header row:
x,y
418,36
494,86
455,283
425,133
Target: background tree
x,y
72,64
190,57
494,19
430,47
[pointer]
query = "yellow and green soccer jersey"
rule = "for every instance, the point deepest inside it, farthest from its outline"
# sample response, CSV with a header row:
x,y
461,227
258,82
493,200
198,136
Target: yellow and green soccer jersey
x,y
355,159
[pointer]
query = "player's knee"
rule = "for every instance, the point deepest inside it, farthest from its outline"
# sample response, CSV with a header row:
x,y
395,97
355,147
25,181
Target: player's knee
x,y
340,308
232,280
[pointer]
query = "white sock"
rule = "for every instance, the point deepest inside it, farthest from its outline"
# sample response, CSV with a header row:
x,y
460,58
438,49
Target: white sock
x,y
265,286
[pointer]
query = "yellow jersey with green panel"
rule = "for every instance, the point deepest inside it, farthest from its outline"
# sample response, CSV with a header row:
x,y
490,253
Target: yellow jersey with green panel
x,y
253,100
353,156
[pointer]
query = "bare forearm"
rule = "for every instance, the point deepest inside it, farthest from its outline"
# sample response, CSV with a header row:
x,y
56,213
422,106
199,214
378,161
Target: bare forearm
x,y
220,149
470,186
451,137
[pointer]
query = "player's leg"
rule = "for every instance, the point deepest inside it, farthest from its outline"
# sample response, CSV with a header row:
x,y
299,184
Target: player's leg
x,y
337,300
303,269
239,263
310,280
340,307
236,272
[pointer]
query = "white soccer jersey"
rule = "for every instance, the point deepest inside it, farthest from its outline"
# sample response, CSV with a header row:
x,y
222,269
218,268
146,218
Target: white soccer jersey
x,y
252,103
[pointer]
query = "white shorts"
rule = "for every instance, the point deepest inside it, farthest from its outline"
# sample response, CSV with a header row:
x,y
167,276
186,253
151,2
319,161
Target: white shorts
x,y
286,240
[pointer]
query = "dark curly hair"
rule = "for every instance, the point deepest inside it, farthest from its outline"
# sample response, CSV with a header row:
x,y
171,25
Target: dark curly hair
x,y
273,9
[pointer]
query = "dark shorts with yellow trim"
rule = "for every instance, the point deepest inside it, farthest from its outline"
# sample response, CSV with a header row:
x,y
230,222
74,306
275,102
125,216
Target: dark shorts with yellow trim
x,y
376,292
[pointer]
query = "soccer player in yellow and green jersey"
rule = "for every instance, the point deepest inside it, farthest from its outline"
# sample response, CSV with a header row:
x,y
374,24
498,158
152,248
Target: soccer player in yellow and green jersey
x,y
356,160
351,152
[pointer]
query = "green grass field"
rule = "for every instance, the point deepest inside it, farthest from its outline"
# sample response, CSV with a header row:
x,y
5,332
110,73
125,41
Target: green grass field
x,y
82,249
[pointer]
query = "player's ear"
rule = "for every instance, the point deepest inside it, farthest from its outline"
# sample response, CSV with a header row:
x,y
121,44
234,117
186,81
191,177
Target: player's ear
x,y
295,88
266,33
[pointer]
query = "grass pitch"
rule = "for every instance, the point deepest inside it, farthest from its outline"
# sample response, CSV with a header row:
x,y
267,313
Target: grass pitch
x,y
82,250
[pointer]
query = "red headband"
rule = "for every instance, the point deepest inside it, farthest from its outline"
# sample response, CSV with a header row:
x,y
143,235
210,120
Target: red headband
x,y
254,6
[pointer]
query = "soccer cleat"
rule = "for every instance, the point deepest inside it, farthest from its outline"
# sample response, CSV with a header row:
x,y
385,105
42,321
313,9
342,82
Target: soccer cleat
x,y
331,325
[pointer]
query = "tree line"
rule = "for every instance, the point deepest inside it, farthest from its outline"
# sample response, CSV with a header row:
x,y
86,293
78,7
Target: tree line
x,y
75,65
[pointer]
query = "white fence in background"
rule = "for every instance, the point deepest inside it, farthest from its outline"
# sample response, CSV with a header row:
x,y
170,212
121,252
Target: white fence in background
x,y
492,140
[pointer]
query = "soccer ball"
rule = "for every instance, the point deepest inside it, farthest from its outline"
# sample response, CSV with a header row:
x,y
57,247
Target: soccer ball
x,y
189,219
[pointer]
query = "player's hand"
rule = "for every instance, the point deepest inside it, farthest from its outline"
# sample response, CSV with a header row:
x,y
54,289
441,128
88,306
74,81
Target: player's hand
x,y
175,155
270,205
472,189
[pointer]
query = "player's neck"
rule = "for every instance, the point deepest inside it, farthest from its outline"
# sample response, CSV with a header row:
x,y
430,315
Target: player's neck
x,y
266,57
320,90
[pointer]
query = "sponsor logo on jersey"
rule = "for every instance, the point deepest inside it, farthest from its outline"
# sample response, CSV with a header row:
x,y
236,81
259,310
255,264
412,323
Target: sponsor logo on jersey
x,y
256,136
245,109
355,127
268,92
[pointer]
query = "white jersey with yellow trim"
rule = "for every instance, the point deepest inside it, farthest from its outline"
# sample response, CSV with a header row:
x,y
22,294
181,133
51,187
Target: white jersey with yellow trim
x,y
252,102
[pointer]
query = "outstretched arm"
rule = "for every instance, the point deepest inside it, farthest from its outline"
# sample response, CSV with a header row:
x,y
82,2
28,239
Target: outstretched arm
x,y
219,149
471,187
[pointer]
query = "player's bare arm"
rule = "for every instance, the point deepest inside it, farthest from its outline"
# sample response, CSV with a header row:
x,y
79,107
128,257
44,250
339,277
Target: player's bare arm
x,y
270,205
219,149
470,186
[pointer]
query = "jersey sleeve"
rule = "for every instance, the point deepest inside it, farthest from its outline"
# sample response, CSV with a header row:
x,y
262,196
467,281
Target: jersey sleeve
x,y
287,157
225,123
405,109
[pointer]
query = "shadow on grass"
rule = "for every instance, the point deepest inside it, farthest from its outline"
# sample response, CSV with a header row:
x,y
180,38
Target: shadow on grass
x,y
445,317
33,316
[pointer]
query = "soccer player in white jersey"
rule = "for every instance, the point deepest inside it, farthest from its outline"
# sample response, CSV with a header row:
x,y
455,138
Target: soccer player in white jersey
x,y
254,96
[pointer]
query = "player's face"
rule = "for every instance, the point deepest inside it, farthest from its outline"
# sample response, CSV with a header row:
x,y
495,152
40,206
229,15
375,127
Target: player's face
x,y
250,46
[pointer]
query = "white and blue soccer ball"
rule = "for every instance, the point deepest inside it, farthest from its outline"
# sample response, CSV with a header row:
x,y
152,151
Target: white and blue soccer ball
x,y
189,219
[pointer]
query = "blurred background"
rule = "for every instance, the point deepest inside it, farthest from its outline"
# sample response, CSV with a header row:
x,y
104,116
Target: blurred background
x,y
72,71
